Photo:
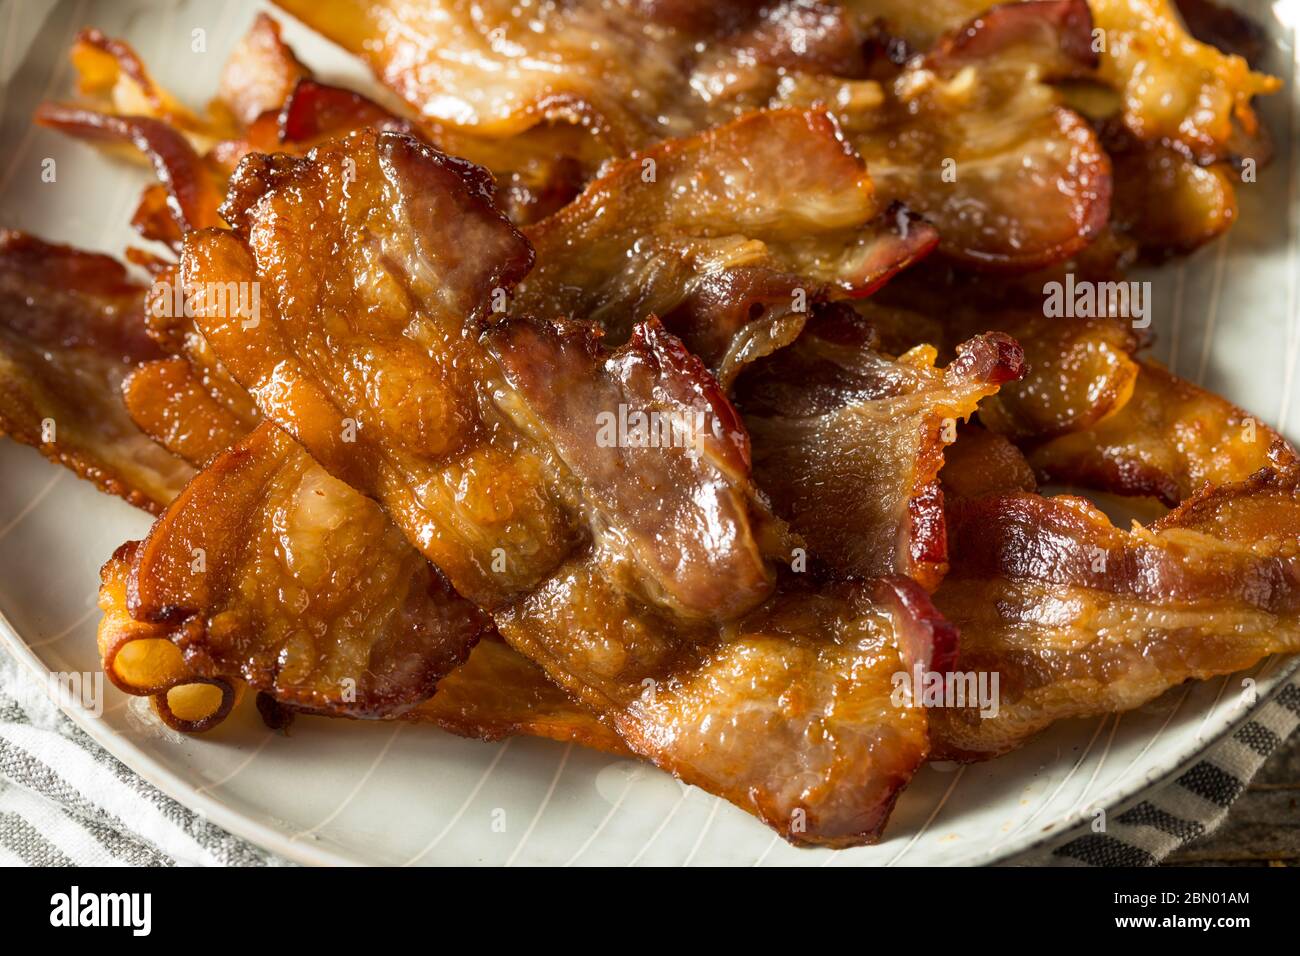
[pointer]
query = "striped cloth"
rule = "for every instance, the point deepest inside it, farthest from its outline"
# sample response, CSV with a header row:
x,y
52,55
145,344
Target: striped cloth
x,y
1194,804
64,801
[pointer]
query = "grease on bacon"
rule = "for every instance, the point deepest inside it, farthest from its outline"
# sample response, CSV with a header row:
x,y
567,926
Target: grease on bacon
x,y
485,449
1080,618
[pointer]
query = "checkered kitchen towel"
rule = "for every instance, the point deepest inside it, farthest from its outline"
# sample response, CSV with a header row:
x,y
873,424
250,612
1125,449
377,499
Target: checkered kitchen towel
x,y
65,801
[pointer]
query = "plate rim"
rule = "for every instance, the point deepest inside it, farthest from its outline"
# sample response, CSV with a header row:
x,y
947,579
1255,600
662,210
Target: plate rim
x,y
243,825
157,774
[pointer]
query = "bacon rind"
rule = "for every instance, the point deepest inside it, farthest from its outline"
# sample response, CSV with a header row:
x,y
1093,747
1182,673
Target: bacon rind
x,y
1079,618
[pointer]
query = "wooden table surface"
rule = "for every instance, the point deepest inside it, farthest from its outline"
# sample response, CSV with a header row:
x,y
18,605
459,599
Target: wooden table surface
x,y
1263,826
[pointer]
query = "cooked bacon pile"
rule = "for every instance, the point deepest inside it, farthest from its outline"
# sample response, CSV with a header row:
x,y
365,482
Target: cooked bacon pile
x,y
604,395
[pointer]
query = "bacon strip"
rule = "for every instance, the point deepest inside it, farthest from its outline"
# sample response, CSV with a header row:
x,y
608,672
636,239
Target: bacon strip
x,y
109,71
1167,203
982,463
1169,441
848,442
1079,372
140,658
1171,87
770,213
270,102
1089,412
971,137
193,194
1079,618
495,693
302,589
488,453
1031,182
802,128
166,399
260,73
631,72
500,693
70,331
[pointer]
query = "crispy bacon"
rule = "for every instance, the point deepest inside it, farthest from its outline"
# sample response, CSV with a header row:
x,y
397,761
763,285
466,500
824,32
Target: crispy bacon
x,y
168,402
981,463
111,73
972,137
127,107
70,330
771,213
785,712
495,693
424,188
372,628
579,63
1168,441
631,72
1079,372
1079,618
260,73
139,658
1171,87
500,693
848,442
1089,412
487,456
1167,203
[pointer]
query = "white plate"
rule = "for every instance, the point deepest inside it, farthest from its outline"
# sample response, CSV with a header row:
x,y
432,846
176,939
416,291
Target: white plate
x,y
343,792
